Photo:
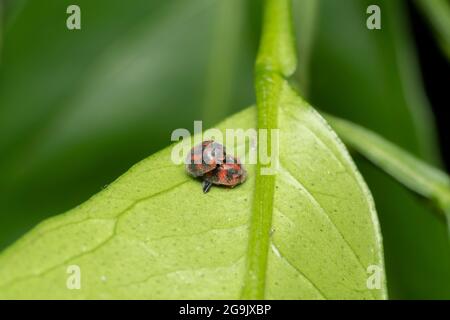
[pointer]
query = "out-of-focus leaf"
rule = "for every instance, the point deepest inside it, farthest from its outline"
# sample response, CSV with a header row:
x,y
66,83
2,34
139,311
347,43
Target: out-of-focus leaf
x,y
223,64
106,95
370,77
2,24
154,234
305,23
438,15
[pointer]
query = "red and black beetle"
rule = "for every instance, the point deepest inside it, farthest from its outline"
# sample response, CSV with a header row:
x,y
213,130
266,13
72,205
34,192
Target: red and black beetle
x,y
209,161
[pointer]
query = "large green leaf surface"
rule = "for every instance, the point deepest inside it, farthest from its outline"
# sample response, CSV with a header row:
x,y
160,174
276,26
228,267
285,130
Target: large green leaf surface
x,y
154,234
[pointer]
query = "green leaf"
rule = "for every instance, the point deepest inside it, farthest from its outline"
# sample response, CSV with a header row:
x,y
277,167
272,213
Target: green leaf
x,y
153,234
371,77
438,14
412,172
147,236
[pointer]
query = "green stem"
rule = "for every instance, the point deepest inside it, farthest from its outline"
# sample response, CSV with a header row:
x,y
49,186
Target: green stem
x,y
276,60
415,174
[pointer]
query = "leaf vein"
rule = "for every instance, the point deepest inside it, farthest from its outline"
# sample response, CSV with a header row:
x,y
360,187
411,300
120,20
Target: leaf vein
x,y
97,247
317,204
283,257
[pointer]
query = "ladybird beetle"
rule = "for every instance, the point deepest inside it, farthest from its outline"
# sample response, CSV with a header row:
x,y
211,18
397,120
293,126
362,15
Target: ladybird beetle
x,y
230,174
204,158
209,161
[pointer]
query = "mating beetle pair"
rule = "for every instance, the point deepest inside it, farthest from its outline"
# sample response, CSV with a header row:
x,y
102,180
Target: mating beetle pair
x,y
210,162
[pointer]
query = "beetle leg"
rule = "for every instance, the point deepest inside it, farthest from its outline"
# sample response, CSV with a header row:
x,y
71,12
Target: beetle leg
x,y
206,186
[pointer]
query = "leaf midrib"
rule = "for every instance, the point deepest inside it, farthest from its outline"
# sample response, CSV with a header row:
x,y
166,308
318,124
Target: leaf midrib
x,y
276,61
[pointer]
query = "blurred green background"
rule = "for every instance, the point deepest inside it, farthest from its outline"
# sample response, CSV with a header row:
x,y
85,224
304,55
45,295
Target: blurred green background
x,y
78,108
